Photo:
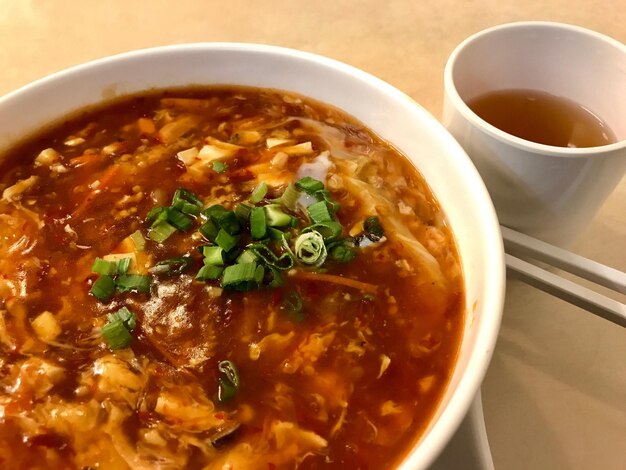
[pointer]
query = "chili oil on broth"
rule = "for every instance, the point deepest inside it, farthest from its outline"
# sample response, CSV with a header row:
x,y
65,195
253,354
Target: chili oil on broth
x,y
350,380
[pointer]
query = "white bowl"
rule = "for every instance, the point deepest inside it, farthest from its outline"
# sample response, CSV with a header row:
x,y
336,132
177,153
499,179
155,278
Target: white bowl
x,y
388,112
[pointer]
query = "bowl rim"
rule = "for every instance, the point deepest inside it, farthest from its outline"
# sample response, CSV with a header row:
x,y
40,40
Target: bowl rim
x,y
445,425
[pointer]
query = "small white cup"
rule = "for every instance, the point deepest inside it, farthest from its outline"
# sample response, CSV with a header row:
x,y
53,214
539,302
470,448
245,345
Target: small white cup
x,y
544,191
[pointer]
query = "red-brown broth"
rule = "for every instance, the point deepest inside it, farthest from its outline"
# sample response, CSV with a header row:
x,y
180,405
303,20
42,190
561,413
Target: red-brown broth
x,y
321,378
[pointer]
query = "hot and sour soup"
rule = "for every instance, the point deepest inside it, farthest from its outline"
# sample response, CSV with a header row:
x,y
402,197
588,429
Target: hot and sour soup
x,y
220,278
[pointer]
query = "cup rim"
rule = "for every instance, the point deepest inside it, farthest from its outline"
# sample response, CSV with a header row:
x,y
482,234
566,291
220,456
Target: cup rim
x,y
520,143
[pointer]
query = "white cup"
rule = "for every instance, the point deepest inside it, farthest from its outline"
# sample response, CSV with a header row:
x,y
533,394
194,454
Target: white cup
x,y
545,191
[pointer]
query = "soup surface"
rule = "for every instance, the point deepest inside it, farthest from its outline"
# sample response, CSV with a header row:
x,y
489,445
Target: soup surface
x,y
220,278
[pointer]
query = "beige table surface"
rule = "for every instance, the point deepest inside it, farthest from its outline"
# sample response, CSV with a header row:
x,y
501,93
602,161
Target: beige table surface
x,y
555,394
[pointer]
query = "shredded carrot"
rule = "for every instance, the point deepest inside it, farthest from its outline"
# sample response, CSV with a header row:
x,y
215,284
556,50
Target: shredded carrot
x,y
344,281
104,181
86,159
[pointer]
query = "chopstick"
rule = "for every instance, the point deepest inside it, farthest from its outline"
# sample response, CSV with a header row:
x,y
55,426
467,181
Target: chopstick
x,y
519,244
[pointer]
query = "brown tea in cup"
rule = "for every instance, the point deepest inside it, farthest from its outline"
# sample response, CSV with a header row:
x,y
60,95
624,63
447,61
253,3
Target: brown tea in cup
x,y
543,118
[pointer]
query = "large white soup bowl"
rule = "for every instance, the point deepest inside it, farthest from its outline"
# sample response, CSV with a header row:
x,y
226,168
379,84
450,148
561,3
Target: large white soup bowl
x,y
384,109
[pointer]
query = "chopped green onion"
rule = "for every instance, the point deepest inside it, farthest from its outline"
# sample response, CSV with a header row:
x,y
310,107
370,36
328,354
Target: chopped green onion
x,y
126,316
105,267
242,211
104,288
122,265
171,266
247,256
223,218
258,227
231,256
133,282
276,278
284,262
229,381
209,272
373,229
219,167
292,305
116,335
215,212
319,212
178,219
258,194
310,248
225,240
209,230
213,255
329,229
230,372
309,185
186,202
138,240
342,253
289,197
161,232
243,276
225,390
277,235
324,195
155,213
275,217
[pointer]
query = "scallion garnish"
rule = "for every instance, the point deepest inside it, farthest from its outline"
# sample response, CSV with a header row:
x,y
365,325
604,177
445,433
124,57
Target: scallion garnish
x,y
219,167
258,194
209,272
171,266
242,211
161,232
310,248
275,277
289,197
292,305
243,276
156,213
138,240
324,195
103,288
108,268
309,185
186,202
225,240
277,235
342,251
213,255
228,382
283,262
133,282
275,217
223,218
319,212
373,229
329,229
126,316
258,225
116,335
247,256
179,220
209,230
117,331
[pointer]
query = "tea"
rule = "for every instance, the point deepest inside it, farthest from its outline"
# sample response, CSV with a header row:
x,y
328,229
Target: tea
x,y
542,117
